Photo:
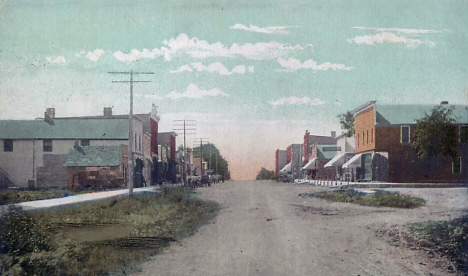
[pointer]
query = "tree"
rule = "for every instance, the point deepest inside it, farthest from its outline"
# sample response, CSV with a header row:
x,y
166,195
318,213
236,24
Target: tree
x,y
265,174
347,123
436,134
216,162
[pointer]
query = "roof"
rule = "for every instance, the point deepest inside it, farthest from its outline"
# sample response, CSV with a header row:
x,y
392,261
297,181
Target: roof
x,y
408,114
327,151
116,129
93,156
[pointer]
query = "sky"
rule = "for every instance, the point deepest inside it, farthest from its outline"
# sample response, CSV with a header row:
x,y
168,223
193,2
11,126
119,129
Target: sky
x,y
254,74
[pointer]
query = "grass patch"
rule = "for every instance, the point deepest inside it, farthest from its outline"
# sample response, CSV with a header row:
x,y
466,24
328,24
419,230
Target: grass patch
x,y
377,199
109,237
17,196
449,238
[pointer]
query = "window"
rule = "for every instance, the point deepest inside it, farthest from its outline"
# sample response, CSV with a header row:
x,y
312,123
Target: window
x,y
7,145
405,135
456,165
136,141
372,136
463,134
47,145
358,139
368,136
139,143
85,142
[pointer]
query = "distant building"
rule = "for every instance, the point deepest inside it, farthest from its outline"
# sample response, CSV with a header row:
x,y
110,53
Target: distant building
x,y
167,157
310,140
384,134
280,161
319,156
345,151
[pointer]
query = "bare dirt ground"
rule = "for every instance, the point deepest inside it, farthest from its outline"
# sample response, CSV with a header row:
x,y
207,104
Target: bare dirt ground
x,y
264,228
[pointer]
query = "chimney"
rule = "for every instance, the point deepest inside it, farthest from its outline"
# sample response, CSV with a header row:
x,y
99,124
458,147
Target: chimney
x,y
333,134
444,102
107,112
49,115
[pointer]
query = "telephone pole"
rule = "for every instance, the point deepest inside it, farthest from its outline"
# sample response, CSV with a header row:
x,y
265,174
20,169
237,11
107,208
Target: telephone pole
x,y
201,141
130,128
184,125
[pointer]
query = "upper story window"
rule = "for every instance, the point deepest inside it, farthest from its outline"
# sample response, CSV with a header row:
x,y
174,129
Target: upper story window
x,y
368,136
372,136
456,165
463,134
139,143
47,145
405,135
85,142
358,139
8,145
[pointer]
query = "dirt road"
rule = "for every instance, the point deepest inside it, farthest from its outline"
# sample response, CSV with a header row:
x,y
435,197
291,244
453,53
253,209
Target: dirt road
x,y
264,228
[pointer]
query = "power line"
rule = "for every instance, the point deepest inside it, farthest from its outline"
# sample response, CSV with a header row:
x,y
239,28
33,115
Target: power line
x,y
130,128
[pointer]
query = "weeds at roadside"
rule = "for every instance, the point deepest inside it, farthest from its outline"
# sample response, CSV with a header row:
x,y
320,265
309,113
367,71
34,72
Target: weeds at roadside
x,y
449,238
109,237
377,199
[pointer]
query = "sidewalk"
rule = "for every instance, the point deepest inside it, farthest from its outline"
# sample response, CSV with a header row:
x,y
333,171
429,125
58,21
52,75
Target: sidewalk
x,y
338,184
54,202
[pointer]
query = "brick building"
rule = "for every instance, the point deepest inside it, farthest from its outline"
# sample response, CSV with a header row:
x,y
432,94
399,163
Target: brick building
x,y
384,134
280,161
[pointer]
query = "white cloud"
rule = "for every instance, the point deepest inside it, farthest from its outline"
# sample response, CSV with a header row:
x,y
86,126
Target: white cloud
x,y
338,103
95,55
293,64
266,30
58,60
297,101
183,68
264,51
216,67
201,49
386,37
193,92
135,54
405,31
148,96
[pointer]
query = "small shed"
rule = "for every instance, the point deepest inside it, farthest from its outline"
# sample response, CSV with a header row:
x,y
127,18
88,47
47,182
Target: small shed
x,y
95,166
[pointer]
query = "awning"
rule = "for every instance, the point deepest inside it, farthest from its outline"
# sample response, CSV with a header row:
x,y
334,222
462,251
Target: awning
x,y
354,162
339,159
286,168
310,165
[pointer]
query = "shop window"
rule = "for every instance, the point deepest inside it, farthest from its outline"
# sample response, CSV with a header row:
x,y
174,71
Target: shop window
x,y
456,165
463,134
405,135
85,142
47,145
8,145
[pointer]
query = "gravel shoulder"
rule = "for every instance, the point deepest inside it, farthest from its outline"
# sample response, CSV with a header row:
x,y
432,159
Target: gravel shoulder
x,y
264,228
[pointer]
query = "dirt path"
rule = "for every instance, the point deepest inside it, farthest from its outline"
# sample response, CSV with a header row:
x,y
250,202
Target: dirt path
x,y
264,228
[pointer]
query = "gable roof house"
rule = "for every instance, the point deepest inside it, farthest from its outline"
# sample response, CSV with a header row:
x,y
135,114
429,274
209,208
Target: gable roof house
x,y
383,137
33,152
103,166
